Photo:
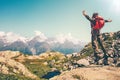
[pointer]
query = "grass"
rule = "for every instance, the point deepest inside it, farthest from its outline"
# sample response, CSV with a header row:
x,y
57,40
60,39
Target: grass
x,y
13,77
37,67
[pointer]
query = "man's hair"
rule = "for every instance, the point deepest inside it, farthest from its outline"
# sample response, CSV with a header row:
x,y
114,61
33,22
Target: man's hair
x,y
94,15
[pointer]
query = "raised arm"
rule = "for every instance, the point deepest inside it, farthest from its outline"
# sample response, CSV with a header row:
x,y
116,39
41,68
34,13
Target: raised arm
x,y
84,13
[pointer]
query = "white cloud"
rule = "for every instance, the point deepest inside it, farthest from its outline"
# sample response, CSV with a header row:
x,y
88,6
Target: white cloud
x,y
62,38
39,36
13,37
2,33
37,33
10,37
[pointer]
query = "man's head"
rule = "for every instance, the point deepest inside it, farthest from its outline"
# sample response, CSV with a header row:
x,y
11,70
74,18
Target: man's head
x,y
94,15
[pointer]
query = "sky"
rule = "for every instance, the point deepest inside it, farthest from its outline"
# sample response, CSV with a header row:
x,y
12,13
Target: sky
x,y
53,17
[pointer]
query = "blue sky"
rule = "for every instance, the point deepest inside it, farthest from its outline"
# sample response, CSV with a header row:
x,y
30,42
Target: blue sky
x,y
53,17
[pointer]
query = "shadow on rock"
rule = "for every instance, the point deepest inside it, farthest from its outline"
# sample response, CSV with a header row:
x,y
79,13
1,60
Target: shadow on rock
x,y
51,74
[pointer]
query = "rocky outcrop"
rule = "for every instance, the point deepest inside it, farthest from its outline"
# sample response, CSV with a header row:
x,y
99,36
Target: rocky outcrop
x,y
10,66
9,54
90,73
111,43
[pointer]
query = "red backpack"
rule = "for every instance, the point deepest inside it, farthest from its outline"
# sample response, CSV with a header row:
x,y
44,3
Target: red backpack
x,y
99,23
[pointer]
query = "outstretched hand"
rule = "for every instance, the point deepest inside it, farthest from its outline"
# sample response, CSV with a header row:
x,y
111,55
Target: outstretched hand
x,y
84,12
109,20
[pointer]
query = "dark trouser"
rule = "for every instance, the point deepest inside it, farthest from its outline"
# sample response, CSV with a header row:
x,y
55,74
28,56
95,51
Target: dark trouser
x,y
96,39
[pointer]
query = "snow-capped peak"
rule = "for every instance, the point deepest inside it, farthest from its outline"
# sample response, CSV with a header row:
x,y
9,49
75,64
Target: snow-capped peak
x,y
11,37
40,43
39,36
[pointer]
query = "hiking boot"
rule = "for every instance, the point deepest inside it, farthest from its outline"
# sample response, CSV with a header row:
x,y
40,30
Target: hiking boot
x,y
96,59
105,61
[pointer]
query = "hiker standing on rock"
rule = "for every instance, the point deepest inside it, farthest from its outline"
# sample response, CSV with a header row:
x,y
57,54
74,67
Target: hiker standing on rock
x,y
97,22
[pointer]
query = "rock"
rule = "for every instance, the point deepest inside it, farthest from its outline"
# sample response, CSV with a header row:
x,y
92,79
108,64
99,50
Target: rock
x,y
100,62
11,66
83,62
100,55
15,71
45,63
118,64
110,61
4,69
53,69
117,45
110,52
9,54
75,54
117,35
68,55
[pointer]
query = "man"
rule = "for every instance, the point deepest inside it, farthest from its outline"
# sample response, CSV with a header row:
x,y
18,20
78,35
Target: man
x,y
95,34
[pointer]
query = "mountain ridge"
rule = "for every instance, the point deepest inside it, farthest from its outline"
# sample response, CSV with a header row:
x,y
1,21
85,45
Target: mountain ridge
x,y
39,43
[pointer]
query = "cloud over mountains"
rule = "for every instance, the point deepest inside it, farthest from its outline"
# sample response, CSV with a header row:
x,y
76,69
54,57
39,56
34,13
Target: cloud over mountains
x,y
40,43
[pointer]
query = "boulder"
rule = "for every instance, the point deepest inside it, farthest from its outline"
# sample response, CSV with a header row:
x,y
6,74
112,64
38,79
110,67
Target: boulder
x,y
83,62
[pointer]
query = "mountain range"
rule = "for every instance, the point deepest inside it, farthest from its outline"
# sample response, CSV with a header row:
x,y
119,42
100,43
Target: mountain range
x,y
39,43
54,65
